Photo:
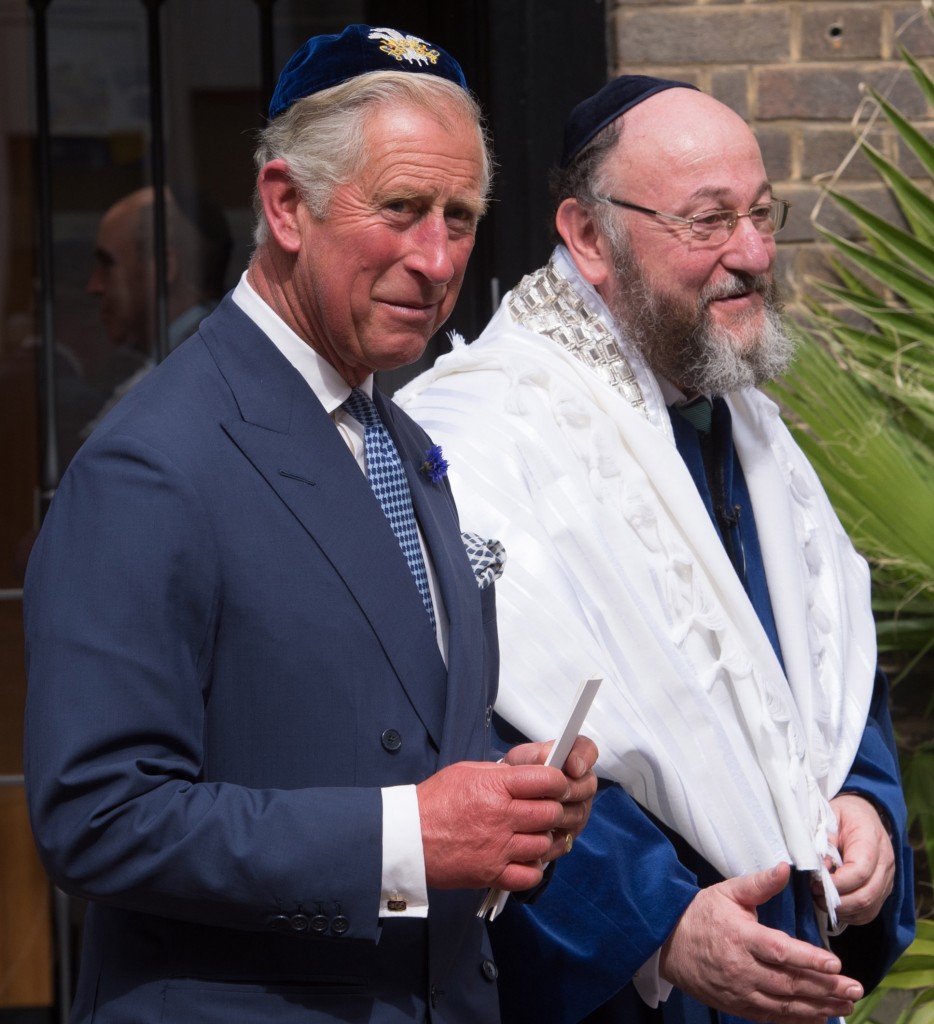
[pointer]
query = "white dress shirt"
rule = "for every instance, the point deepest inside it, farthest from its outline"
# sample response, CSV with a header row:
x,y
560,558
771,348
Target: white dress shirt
x,y
403,876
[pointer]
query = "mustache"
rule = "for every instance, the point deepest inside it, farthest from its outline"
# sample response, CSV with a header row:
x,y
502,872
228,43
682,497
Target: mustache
x,y
735,285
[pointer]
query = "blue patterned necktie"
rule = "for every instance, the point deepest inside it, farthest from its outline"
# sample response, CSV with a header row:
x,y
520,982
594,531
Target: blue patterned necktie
x,y
387,479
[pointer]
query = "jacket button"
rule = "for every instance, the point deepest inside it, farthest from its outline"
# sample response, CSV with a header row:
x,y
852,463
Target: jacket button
x,y
391,740
339,924
490,970
298,922
320,923
280,923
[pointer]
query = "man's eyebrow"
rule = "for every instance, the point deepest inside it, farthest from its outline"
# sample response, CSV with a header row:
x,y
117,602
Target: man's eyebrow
x,y
476,204
396,192
721,194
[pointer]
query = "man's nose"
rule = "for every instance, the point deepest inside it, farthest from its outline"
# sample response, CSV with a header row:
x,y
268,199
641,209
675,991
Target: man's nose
x,y
748,250
430,255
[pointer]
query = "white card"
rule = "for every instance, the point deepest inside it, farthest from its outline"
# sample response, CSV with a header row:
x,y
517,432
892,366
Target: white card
x,y
495,899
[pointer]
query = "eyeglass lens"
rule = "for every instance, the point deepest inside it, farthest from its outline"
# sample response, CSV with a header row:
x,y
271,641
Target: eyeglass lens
x,y
718,225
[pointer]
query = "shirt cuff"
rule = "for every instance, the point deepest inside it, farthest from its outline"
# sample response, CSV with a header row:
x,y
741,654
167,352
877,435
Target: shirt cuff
x,y
404,889
651,986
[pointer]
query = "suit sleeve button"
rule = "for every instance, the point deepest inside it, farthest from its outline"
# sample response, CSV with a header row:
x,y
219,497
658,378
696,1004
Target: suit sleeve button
x,y
391,740
339,924
490,970
298,922
280,923
320,923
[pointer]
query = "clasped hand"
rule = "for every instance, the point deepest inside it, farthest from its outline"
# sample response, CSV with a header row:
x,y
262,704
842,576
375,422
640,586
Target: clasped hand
x,y
497,825
866,877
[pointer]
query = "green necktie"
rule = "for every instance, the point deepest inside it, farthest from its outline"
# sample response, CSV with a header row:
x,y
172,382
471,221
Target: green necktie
x,y
698,412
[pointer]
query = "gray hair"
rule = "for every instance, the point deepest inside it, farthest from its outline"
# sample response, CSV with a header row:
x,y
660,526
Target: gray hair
x,y
321,138
584,180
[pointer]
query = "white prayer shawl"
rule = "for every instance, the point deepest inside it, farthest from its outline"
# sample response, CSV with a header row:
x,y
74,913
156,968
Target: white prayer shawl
x,y
615,569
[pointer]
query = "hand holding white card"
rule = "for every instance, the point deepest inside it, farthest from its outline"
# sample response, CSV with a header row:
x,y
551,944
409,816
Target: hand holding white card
x,y
495,899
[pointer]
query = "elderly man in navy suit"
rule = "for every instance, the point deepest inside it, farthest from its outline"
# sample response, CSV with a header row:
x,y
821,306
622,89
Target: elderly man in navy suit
x,y
259,692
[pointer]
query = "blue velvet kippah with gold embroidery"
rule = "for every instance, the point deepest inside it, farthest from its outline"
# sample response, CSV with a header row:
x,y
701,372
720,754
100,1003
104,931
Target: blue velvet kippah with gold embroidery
x,y
593,114
325,61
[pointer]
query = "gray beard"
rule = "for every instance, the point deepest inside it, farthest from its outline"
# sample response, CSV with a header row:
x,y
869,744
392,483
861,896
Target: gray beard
x,y
681,343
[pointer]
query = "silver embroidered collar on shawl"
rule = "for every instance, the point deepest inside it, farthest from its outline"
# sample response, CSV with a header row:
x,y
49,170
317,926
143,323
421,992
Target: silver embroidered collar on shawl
x,y
559,443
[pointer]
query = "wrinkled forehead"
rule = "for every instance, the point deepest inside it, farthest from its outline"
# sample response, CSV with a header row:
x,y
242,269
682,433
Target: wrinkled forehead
x,y
413,152
683,144
461,135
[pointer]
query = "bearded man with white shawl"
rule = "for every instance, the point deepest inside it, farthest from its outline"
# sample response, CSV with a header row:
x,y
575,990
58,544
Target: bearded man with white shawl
x,y
748,859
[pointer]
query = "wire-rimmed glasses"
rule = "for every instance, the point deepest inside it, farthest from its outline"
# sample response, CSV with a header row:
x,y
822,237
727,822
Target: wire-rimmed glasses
x,y
716,226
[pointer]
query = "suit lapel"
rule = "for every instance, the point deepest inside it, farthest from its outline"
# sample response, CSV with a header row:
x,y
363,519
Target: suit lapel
x,y
437,516
288,437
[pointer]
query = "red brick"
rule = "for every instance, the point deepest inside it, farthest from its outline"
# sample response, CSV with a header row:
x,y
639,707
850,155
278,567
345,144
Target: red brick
x,y
824,149
914,30
831,93
731,87
835,32
703,35
776,147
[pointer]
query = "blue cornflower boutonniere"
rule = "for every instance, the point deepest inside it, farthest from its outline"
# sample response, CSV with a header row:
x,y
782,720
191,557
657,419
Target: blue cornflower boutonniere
x,y
434,466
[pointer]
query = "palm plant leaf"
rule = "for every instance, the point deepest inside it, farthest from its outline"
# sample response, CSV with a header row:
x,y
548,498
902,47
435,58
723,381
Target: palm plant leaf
x,y
915,204
918,782
863,460
912,289
894,359
916,142
903,246
924,80
860,401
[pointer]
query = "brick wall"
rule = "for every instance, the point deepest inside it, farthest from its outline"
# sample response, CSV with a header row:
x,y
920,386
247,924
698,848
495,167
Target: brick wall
x,y
793,69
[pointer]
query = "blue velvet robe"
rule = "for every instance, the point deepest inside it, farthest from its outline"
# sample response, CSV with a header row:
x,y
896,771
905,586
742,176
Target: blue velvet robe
x,y
570,955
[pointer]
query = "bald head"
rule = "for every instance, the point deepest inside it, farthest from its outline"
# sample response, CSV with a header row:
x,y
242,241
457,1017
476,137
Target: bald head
x,y
121,280
198,244
682,142
673,223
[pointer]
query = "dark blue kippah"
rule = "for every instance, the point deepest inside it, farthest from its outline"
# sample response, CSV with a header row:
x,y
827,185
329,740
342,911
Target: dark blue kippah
x,y
613,100
324,61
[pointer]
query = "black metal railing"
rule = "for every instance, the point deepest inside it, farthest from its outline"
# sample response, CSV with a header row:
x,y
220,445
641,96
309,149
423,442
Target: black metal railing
x,y
51,467
50,459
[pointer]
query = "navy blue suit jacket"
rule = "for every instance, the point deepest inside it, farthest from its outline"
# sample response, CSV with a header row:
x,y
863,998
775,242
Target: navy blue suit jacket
x,y
220,629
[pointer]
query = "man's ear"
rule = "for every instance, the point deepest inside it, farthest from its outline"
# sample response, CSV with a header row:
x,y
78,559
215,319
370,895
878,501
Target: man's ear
x,y
578,228
281,201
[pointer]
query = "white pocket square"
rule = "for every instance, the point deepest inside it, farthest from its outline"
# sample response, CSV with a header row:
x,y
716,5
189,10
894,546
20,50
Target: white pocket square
x,y
487,558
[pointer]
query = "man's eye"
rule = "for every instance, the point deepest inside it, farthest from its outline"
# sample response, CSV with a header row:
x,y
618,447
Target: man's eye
x,y
461,215
711,219
760,214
